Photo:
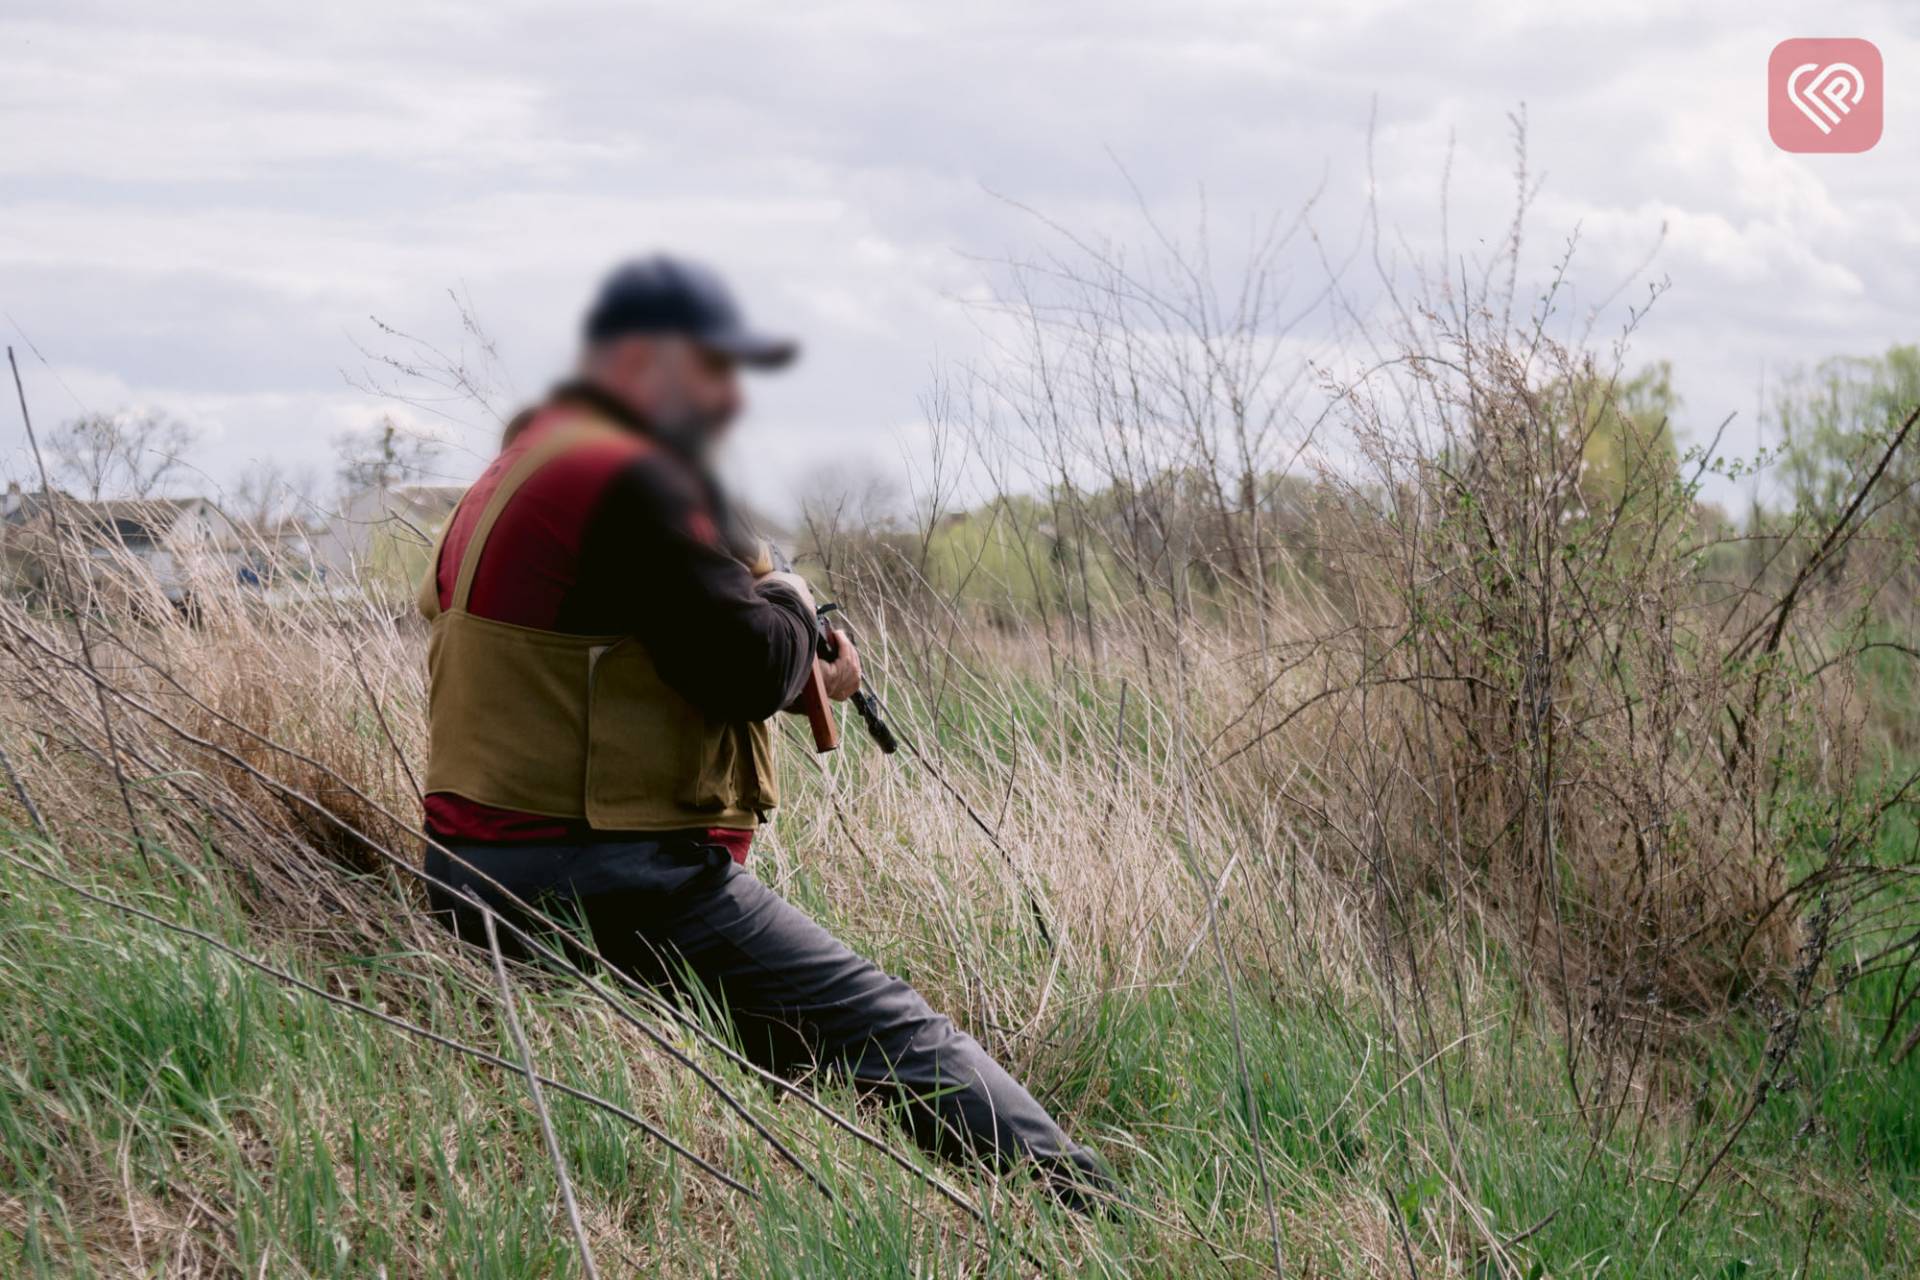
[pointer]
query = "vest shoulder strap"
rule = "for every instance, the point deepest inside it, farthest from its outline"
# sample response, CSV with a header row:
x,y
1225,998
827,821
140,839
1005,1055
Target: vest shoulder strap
x,y
547,446
427,598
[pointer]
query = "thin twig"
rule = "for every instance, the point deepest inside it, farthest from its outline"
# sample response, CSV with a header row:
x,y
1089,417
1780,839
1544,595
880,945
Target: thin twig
x,y
21,794
74,609
533,1089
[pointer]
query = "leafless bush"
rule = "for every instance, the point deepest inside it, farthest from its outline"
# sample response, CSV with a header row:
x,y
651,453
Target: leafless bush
x,y
1451,625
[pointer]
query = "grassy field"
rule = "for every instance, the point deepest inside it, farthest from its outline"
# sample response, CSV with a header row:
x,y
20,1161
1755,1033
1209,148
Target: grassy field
x,y
165,1108
1466,861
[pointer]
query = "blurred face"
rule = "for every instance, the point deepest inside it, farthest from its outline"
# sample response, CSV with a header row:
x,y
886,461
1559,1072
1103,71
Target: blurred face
x,y
687,394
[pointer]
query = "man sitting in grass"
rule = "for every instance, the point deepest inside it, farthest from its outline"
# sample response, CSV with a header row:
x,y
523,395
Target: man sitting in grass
x,y
604,660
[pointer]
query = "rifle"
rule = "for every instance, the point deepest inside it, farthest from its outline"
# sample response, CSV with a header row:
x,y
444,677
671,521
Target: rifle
x,y
813,697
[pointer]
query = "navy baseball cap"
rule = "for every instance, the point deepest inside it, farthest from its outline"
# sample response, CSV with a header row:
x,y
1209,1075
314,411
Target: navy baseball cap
x,y
664,294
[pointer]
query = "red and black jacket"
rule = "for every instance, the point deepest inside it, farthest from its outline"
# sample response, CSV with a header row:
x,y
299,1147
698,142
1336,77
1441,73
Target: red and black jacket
x,y
613,541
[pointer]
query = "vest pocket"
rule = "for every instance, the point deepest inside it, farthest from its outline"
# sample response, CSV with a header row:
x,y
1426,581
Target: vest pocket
x,y
759,779
649,751
506,720
715,784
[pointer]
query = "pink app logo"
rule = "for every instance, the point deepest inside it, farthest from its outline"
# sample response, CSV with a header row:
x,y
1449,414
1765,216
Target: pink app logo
x,y
1824,95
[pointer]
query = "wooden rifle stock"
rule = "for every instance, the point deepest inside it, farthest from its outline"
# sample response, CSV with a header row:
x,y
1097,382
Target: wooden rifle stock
x,y
820,717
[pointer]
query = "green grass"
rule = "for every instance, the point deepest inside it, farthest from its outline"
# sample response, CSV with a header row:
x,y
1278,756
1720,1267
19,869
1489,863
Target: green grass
x,y
145,1078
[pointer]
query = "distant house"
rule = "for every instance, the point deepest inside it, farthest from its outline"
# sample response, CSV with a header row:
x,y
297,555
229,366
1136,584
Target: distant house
x,y
21,565
165,544
19,506
281,561
386,533
422,507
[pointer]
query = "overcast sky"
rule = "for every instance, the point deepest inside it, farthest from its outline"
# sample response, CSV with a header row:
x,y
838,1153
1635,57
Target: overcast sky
x,y
203,204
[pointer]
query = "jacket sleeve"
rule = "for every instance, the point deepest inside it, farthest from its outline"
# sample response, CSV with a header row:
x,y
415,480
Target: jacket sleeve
x,y
735,648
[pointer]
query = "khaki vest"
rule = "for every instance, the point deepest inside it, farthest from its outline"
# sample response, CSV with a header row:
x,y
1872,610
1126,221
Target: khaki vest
x,y
576,727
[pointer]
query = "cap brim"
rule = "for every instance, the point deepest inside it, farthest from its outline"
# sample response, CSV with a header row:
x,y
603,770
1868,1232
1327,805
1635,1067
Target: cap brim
x,y
755,350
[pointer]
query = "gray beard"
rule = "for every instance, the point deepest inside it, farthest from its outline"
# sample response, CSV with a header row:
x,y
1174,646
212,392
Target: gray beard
x,y
690,435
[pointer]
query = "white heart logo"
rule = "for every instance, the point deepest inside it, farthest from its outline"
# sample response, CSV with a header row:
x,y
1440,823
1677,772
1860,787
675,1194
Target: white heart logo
x,y
1829,92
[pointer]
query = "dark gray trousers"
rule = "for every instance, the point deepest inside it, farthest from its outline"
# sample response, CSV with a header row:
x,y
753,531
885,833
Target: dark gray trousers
x,y
672,909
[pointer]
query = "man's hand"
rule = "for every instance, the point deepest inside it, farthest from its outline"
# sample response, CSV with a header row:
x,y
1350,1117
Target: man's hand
x,y
842,675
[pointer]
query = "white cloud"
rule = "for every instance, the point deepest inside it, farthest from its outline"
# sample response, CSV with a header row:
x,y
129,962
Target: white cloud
x,y
204,201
